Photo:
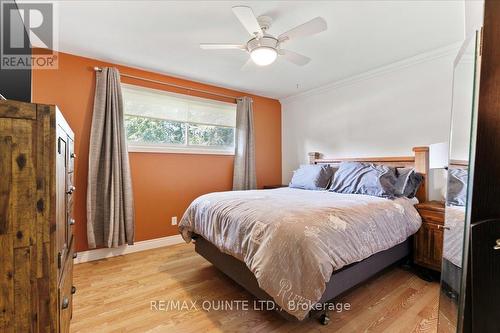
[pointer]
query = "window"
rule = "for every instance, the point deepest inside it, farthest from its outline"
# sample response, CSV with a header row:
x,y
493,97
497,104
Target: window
x,y
159,121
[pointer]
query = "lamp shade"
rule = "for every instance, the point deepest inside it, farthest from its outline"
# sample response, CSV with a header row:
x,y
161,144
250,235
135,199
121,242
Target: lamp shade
x,y
438,155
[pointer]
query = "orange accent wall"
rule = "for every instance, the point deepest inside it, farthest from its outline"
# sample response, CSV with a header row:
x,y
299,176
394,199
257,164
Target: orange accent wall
x,y
163,184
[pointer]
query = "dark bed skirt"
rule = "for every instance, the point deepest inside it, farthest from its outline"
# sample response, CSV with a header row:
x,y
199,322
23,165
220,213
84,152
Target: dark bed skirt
x,y
451,277
340,282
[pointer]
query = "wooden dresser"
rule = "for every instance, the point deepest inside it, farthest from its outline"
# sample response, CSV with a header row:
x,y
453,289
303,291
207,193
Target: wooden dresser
x,y
428,243
36,218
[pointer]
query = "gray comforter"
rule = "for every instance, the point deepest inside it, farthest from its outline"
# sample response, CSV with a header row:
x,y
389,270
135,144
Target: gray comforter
x,y
454,237
292,239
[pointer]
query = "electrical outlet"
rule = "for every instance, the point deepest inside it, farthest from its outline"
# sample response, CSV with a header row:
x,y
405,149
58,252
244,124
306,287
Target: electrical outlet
x,y
174,220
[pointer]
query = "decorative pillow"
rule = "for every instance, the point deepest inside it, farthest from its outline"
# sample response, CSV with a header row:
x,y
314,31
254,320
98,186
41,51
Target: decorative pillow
x,y
413,184
457,187
408,182
365,178
312,177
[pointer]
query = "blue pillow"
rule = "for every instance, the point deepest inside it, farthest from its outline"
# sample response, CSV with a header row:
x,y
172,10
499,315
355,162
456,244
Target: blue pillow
x,y
365,178
312,177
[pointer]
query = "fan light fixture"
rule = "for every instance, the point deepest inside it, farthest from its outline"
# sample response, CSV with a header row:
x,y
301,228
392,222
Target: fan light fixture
x,y
263,56
263,47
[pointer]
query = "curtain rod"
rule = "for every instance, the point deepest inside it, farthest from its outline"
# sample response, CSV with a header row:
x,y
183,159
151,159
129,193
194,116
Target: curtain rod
x,y
98,69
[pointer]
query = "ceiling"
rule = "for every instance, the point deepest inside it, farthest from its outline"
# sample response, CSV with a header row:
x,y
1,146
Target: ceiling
x,y
164,36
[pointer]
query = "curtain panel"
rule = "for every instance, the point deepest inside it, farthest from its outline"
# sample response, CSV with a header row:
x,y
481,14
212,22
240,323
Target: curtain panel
x,y
110,207
244,176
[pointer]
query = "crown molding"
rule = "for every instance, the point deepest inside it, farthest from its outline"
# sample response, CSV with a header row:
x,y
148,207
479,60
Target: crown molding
x,y
441,52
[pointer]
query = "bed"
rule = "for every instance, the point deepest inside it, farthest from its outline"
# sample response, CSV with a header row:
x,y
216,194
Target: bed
x,y
453,243
302,248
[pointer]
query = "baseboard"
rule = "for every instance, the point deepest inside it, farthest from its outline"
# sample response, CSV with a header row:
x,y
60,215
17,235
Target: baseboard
x,y
97,254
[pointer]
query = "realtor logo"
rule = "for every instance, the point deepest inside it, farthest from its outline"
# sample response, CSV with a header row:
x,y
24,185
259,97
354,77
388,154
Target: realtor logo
x,y
28,35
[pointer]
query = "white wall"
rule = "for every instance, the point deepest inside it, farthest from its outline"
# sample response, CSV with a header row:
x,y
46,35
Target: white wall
x,y
382,113
463,89
473,16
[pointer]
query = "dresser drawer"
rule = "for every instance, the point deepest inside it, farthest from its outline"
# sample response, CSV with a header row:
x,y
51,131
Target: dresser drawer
x,y
70,177
66,257
69,259
70,200
65,293
72,155
432,217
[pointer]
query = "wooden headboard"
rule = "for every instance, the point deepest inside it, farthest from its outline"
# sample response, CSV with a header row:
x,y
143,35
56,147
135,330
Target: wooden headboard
x,y
419,161
458,164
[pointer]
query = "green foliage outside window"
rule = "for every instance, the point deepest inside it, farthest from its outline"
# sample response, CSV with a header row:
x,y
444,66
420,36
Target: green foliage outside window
x,y
159,131
210,135
149,130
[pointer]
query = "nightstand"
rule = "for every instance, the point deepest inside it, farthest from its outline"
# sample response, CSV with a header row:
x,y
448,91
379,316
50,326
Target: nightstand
x,y
268,187
428,241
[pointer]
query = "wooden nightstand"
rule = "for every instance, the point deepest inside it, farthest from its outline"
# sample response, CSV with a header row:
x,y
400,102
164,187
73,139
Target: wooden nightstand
x,y
428,241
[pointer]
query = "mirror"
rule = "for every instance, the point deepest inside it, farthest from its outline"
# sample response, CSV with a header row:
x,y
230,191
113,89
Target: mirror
x,y
456,222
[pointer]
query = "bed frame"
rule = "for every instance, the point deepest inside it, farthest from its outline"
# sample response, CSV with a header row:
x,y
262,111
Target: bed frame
x,y
346,278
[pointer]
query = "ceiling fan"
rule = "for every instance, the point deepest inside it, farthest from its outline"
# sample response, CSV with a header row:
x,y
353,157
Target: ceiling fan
x,y
263,47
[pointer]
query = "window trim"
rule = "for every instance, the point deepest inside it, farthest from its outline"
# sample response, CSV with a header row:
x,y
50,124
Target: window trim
x,y
181,149
136,147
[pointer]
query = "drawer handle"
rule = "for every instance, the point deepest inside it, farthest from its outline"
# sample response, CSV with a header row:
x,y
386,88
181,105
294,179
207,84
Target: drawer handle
x,y
65,303
443,227
73,155
71,221
71,189
497,245
75,255
73,290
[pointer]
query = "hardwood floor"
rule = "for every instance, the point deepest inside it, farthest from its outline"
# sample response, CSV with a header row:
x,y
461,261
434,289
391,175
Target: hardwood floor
x,y
115,295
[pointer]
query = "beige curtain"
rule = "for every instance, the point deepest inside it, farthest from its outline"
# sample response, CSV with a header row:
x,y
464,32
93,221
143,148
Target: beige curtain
x,y
110,211
244,176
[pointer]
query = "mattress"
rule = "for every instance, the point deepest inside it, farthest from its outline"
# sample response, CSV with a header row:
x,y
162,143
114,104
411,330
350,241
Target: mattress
x,y
292,240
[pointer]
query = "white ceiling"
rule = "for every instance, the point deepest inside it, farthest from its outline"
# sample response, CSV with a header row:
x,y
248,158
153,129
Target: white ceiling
x,y
164,36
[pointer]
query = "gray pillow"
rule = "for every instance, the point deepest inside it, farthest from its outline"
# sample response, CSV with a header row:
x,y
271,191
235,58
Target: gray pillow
x,y
413,184
365,178
408,182
457,187
312,177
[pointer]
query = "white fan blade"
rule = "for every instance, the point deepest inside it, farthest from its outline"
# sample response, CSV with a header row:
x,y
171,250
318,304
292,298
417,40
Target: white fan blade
x,y
248,19
297,59
248,65
312,27
209,46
